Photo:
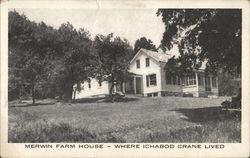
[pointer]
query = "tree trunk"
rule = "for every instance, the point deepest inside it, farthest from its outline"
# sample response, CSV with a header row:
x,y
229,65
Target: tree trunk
x,y
33,94
67,94
111,88
111,91
74,95
19,93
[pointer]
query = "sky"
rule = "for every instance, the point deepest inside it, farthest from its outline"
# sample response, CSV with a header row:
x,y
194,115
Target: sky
x,y
131,24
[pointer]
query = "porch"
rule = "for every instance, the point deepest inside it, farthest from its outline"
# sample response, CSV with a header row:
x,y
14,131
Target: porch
x,y
200,84
134,85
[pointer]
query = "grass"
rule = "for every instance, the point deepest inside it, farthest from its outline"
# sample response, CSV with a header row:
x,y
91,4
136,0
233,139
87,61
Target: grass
x,y
166,119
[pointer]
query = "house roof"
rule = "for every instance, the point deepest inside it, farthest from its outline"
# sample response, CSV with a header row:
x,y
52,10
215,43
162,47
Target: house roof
x,y
158,56
161,57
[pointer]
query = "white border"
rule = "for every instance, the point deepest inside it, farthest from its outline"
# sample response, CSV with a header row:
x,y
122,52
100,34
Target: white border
x,y
230,150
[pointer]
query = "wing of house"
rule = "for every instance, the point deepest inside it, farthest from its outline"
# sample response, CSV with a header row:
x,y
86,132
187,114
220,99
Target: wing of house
x,y
149,79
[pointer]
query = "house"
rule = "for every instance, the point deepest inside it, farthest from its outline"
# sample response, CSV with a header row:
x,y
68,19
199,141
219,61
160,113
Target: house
x,y
149,78
94,87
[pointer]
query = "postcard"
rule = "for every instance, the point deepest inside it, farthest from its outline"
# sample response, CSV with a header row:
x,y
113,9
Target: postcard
x,y
125,78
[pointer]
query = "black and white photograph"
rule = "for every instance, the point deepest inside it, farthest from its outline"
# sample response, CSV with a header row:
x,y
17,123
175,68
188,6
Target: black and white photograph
x,y
69,82
125,75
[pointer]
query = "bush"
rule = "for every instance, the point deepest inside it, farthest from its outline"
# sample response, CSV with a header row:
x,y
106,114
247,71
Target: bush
x,y
234,104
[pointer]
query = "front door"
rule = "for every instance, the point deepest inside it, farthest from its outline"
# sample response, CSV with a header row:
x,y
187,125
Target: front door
x,y
138,85
207,84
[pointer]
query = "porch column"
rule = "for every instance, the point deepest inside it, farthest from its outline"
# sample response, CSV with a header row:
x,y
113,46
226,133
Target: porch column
x,y
115,88
197,84
196,78
211,86
217,82
204,80
135,85
123,87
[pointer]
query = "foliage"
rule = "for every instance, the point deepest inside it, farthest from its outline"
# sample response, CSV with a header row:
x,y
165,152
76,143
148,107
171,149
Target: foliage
x,y
27,70
72,65
43,60
112,56
217,32
145,43
227,84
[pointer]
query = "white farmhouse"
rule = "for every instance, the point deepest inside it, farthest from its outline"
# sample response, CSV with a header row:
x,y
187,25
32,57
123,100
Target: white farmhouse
x,y
150,79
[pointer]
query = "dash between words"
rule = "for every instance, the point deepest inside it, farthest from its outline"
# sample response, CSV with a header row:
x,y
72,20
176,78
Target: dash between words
x,y
126,146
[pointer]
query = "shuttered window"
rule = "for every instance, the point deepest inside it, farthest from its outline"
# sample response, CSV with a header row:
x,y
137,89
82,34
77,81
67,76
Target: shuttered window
x,y
151,80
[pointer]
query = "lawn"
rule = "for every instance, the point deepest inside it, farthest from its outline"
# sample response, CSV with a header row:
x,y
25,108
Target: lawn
x,y
133,119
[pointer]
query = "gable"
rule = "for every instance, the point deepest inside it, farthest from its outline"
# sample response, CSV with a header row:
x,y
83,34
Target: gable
x,y
144,52
142,57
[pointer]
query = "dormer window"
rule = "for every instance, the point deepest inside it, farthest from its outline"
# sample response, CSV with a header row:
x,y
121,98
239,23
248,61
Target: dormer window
x,y
147,62
137,64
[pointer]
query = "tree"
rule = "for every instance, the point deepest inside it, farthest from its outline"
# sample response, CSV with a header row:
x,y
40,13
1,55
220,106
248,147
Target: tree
x,y
112,56
145,43
28,53
41,57
216,31
72,66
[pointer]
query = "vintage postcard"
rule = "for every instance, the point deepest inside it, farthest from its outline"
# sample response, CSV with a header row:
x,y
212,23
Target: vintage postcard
x,y
125,78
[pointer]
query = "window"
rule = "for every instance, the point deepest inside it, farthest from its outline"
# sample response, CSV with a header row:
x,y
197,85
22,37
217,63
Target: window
x,y
155,94
200,79
174,80
89,81
189,80
151,80
192,80
214,82
147,62
137,64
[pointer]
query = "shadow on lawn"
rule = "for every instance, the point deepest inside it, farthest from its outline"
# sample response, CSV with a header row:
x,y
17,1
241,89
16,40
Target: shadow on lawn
x,y
105,100
203,115
30,104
